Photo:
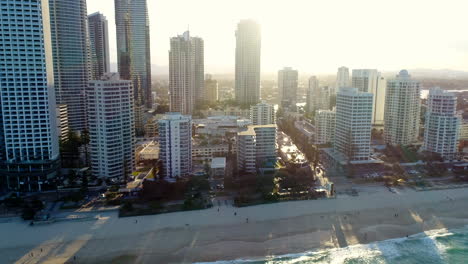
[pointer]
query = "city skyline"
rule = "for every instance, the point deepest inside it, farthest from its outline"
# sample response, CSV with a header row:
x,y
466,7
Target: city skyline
x,y
293,41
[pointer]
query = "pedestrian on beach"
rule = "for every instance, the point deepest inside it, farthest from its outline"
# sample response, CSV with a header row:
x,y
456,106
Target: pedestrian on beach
x,y
235,213
247,220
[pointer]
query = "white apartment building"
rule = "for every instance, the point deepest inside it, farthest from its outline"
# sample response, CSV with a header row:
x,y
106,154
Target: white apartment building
x,y
175,145
287,86
262,114
371,81
402,110
248,48
325,126
342,78
111,126
255,147
186,73
442,126
353,124
29,147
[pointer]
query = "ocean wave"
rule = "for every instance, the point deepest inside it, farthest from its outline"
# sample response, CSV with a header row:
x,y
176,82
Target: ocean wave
x,y
435,246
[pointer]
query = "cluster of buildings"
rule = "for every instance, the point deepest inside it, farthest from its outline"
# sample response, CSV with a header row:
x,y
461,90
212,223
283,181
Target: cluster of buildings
x,y
54,71
393,106
54,77
366,101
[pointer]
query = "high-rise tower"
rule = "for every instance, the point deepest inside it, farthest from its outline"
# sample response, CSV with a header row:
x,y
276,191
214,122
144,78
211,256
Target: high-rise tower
x,y
342,78
29,148
99,38
248,45
72,57
175,144
353,124
287,86
111,126
186,73
133,47
402,110
442,127
371,81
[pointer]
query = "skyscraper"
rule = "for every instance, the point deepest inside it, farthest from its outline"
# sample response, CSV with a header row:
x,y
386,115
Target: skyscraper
x,y
317,98
99,38
287,86
211,89
312,94
186,73
353,124
442,124
342,78
175,144
371,81
111,126
29,148
378,115
248,46
402,110
263,114
324,98
133,47
71,52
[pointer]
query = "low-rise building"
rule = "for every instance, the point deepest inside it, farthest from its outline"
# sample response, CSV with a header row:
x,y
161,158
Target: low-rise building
x,y
150,152
220,125
208,152
218,167
228,111
307,130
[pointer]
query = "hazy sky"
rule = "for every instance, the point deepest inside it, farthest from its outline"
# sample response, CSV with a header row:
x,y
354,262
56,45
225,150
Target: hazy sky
x,y
314,36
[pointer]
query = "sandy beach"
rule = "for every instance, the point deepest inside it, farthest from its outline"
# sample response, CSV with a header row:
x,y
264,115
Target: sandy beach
x,y
209,235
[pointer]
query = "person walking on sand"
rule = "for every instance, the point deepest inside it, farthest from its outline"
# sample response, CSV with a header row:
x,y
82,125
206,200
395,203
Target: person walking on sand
x,y
247,220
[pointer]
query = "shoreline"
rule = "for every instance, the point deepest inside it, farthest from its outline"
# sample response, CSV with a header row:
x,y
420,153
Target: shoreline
x,y
273,229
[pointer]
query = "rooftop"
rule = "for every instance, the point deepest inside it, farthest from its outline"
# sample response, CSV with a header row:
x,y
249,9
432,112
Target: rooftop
x,y
218,163
251,130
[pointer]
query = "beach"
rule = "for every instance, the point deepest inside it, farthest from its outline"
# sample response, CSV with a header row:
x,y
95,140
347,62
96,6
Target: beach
x,y
209,235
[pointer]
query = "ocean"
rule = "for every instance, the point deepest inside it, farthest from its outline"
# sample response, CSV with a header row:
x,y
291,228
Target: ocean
x,y
433,247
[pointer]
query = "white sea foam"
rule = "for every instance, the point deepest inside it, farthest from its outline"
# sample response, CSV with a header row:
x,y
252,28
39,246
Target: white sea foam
x,y
375,252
